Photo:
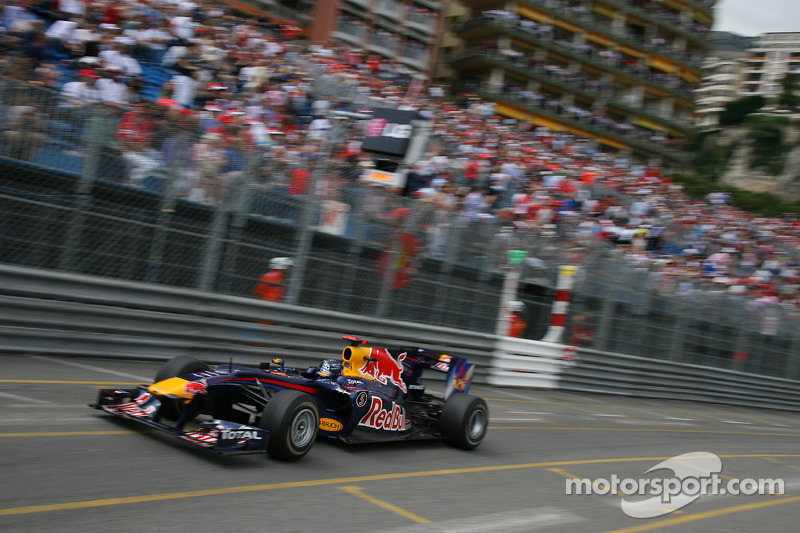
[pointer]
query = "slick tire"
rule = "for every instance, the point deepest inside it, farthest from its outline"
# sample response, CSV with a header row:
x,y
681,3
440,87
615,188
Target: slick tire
x,y
464,421
177,366
292,419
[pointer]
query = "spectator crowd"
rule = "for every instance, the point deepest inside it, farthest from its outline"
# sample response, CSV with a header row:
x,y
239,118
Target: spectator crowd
x,y
194,87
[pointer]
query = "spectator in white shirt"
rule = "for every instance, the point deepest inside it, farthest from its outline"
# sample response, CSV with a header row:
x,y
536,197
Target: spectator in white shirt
x,y
81,92
111,89
119,56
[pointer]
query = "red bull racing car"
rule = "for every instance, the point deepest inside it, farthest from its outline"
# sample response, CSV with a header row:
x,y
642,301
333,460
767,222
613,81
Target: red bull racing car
x,y
370,395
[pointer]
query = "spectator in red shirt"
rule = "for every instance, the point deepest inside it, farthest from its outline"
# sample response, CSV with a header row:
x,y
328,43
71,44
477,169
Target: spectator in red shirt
x,y
135,135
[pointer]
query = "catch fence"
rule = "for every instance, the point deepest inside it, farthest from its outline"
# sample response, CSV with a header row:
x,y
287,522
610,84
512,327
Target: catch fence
x,y
81,192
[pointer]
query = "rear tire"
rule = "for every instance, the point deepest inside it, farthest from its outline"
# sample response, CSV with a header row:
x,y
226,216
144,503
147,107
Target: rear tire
x,y
464,421
177,366
292,419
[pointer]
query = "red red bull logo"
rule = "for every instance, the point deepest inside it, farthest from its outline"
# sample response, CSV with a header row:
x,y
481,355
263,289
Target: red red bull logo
x,y
384,368
377,417
195,387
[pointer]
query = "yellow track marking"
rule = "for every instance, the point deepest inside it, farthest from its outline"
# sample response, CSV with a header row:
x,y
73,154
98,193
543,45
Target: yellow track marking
x,y
359,492
74,433
600,406
782,463
338,481
707,514
659,430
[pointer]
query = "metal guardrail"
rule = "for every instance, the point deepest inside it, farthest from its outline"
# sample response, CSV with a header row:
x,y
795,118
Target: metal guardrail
x,y
613,373
54,313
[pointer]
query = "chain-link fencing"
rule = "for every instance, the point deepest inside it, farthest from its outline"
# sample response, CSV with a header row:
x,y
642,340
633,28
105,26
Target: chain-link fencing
x,y
137,194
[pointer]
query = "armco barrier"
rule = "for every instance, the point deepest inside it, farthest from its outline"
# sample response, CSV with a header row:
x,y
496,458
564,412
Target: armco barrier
x,y
53,313
47,312
611,373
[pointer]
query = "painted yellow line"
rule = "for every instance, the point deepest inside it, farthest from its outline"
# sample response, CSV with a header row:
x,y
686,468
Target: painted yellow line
x,y
657,430
62,382
704,515
74,433
708,472
359,492
600,406
338,481
782,463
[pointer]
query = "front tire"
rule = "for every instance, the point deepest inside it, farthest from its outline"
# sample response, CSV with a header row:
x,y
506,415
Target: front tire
x,y
464,421
292,419
177,366
180,366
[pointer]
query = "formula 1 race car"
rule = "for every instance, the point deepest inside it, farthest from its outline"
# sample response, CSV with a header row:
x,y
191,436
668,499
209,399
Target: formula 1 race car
x,y
370,395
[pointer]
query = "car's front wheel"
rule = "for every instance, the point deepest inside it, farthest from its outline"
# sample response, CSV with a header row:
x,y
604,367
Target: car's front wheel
x,y
292,419
464,421
177,366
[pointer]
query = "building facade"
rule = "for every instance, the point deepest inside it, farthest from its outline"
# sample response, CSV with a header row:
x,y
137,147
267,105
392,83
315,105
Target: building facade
x,y
620,72
401,31
774,55
721,83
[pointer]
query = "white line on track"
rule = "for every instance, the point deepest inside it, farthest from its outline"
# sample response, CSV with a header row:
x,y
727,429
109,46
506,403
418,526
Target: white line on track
x,y
89,367
514,521
496,419
512,394
655,422
736,422
26,399
610,416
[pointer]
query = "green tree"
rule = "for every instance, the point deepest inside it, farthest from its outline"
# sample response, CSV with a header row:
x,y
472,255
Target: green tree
x,y
788,99
737,110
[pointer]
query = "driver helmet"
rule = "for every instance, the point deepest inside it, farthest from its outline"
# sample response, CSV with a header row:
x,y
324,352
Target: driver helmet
x,y
280,263
330,369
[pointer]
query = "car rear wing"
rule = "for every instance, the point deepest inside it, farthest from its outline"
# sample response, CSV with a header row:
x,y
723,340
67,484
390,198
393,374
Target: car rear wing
x,y
459,371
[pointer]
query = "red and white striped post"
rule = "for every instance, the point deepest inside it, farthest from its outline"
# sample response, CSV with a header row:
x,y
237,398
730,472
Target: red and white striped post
x,y
558,317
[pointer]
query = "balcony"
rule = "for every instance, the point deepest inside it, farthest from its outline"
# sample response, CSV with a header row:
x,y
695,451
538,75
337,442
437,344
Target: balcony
x,y
581,87
624,134
391,9
383,43
425,22
352,30
573,53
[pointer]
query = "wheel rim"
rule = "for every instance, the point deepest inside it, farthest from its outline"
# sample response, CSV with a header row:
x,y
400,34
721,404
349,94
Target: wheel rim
x,y
303,428
476,424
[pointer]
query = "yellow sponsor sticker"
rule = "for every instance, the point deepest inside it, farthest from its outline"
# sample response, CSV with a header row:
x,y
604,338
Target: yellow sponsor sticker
x,y
329,424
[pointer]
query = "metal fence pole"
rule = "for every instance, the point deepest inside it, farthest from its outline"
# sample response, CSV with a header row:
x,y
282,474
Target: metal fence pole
x,y
239,199
305,228
80,208
166,212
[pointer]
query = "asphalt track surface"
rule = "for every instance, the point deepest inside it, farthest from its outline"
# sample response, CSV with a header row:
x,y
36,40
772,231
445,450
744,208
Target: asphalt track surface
x,y
68,468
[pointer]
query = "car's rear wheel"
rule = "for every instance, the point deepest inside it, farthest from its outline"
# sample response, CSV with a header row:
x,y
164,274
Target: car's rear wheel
x,y
177,366
464,421
292,419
